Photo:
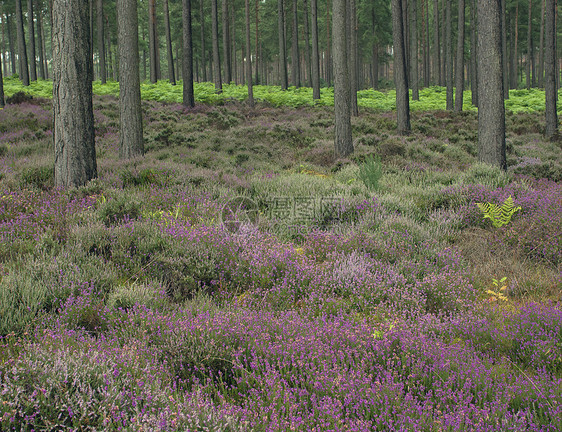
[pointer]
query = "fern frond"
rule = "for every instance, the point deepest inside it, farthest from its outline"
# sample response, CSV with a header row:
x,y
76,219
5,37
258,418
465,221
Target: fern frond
x,y
499,215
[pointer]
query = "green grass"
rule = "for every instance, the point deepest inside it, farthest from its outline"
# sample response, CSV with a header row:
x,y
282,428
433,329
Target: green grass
x,y
431,98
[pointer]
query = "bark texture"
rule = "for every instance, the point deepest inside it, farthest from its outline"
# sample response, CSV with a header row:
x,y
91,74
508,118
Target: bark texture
x,y
101,44
414,73
491,108
171,72
216,55
187,58
22,50
282,45
449,55
31,34
550,68
315,54
400,70
131,142
342,103
459,85
73,124
248,50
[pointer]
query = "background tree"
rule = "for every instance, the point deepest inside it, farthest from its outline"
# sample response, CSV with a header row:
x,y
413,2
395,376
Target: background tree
x,y
529,45
216,54
550,68
449,54
295,58
22,50
459,70
248,57
473,54
491,108
352,56
2,101
342,104
131,142
101,39
315,54
413,27
400,70
31,32
541,47
187,59
436,46
169,51
226,42
282,45
73,126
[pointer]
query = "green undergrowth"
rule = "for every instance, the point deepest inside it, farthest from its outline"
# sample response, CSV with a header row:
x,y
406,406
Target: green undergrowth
x,y
431,98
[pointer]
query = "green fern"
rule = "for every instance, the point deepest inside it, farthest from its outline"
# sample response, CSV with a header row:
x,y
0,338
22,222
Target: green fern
x,y
499,215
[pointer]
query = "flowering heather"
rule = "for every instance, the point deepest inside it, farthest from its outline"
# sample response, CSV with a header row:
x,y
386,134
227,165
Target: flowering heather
x,y
126,305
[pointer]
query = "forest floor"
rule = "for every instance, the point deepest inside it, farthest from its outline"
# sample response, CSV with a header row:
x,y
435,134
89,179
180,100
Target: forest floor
x,y
351,295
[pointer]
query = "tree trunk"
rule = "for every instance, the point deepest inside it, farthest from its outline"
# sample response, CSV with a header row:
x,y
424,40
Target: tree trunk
x,y
31,31
44,50
101,41
234,66
473,54
216,54
550,69
295,69
226,43
307,60
514,37
444,42
131,143
459,70
529,45
504,51
153,42
2,101
400,71
187,57
171,72
91,3
282,47
426,67
449,55
541,48
491,109
73,126
248,57
352,56
414,78
328,66
3,46
315,53
437,76
11,44
203,53
258,59
22,51
343,144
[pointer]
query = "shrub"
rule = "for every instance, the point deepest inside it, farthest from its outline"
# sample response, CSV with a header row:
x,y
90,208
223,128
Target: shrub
x,y
485,174
370,172
115,210
40,177
19,98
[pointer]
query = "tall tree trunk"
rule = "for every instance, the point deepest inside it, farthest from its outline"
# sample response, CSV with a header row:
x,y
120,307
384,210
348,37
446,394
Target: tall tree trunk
x,y
504,51
473,54
131,142
31,34
315,53
406,24
248,57
282,45
22,51
91,3
101,41
153,42
203,52
187,57
343,144
295,67
550,69
427,72
400,71
352,56
171,72
459,70
258,58
307,61
414,78
3,46
216,54
491,109
529,45
73,114
541,47
44,49
329,62
449,55
514,37
233,57
143,53
437,76
11,43
226,43
2,101
444,42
